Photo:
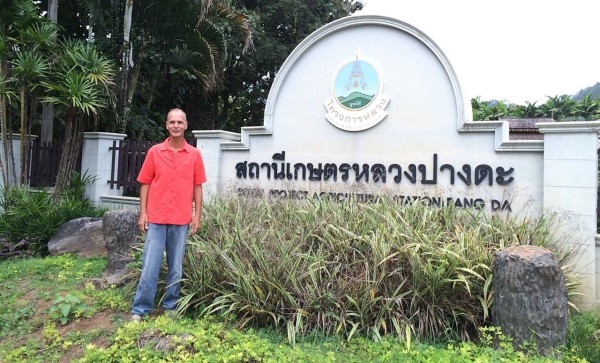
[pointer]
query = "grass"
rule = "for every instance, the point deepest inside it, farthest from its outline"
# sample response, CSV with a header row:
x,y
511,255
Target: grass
x,y
301,282
52,308
100,332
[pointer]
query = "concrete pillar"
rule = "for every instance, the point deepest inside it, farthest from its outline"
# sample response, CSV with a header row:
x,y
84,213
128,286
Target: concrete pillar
x,y
209,144
97,161
570,193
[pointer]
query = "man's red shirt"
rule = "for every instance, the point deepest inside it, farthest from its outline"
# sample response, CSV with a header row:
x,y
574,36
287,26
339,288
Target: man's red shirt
x,y
172,177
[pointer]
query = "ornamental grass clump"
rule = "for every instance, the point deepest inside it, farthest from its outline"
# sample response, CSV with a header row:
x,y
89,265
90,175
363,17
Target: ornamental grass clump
x,y
349,268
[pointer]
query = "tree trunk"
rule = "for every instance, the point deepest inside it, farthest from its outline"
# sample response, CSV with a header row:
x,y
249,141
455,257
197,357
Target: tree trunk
x,y
530,297
135,75
22,177
47,132
74,128
53,10
4,137
122,102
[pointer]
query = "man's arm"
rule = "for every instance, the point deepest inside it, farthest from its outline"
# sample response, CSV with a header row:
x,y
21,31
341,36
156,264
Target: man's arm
x,y
195,225
143,221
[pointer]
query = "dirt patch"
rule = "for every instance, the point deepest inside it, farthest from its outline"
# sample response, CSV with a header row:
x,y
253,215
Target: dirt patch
x,y
102,322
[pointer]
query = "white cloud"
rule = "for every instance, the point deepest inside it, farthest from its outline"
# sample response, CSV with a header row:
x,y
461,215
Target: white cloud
x,y
509,50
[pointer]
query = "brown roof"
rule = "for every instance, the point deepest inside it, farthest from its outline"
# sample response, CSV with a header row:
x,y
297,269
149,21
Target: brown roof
x,y
525,129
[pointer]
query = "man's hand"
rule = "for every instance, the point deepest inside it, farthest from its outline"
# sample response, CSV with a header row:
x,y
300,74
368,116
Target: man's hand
x,y
143,222
195,224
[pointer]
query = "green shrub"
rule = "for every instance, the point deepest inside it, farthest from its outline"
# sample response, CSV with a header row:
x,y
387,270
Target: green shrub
x,y
583,336
349,268
32,217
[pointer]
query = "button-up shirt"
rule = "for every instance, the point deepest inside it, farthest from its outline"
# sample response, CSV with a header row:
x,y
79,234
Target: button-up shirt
x,y
172,177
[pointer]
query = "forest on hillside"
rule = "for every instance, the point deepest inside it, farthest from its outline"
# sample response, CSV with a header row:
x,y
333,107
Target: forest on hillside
x,y
592,91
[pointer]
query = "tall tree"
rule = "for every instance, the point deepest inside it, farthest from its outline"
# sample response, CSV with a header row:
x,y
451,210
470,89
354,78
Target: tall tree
x,y
167,37
25,38
83,85
278,27
124,104
588,108
30,68
529,110
559,107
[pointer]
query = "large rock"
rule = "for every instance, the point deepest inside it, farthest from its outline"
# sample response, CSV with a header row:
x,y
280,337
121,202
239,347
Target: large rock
x,y
530,297
120,236
82,236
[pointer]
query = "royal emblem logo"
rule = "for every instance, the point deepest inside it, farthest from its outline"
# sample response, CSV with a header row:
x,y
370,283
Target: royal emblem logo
x,y
356,102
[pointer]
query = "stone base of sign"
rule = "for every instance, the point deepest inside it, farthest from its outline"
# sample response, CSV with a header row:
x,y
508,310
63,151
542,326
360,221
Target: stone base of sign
x,y
120,235
530,298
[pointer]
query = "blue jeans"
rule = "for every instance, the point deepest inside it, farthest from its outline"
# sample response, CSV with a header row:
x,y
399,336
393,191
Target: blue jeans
x,y
160,238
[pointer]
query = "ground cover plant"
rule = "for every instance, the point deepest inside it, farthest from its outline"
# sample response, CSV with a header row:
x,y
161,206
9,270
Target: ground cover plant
x,y
51,309
348,268
30,289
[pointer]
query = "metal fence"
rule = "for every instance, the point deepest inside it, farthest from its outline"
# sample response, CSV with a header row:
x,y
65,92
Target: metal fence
x,y
126,162
44,161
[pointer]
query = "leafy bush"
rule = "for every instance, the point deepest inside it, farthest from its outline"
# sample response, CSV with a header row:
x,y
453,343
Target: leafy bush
x,y
32,217
67,307
349,268
583,335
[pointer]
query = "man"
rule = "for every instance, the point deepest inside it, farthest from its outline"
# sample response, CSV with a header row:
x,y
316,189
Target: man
x,y
171,178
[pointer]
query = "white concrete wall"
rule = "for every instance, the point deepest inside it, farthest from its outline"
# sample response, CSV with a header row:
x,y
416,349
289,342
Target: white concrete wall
x,y
570,194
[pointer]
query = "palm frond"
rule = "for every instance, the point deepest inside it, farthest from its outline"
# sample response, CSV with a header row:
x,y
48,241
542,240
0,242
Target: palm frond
x,y
30,67
40,35
7,88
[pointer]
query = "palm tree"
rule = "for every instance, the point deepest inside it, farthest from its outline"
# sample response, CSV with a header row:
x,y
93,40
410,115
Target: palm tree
x,y
479,108
15,15
558,107
25,40
30,68
124,104
180,34
529,110
588,108
490,110
83,84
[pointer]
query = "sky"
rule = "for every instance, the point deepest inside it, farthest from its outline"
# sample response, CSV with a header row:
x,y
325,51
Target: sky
x,y
512,50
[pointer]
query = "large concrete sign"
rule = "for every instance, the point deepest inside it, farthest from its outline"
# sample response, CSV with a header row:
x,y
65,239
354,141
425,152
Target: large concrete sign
x,y
369,105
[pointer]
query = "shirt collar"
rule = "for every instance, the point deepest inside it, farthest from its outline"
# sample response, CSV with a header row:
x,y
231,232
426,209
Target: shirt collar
x,y
165,145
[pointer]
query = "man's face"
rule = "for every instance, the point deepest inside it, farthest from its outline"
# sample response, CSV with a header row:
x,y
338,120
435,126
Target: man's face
x,y
176,123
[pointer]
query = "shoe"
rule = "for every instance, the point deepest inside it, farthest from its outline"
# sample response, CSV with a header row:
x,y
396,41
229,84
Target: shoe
x,y
135,318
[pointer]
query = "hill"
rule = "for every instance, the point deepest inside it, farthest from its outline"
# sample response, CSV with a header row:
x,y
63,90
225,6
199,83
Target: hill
x,y
593,91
